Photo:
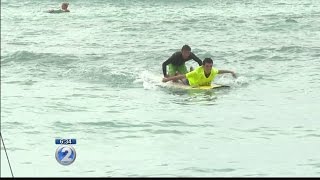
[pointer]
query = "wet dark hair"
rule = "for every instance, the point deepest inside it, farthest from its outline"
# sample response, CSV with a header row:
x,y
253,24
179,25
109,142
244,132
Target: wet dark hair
x,y
186,47
207,60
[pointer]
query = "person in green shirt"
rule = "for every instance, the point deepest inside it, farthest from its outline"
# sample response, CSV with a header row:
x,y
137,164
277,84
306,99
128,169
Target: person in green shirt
x,y
201,76
177,61
64,8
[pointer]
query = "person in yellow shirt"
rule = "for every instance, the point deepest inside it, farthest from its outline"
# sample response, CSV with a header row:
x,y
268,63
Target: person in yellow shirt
x,y
201,76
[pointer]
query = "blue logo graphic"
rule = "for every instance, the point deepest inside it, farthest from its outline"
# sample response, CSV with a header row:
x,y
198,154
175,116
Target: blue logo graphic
x,y
65,155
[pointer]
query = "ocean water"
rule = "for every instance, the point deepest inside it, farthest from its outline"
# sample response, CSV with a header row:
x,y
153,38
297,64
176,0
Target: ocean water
x,y
94,74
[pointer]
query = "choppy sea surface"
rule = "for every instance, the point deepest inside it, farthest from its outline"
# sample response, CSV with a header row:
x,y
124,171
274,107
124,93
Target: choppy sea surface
x,y
94,74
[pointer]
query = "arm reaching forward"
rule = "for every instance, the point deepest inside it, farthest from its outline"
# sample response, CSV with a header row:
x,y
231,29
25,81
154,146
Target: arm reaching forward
x,y
174,78
227,71
194,57
167,62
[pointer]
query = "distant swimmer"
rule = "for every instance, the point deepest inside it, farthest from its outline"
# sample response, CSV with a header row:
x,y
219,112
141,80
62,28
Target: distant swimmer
x,y
177,61
201,76
64,8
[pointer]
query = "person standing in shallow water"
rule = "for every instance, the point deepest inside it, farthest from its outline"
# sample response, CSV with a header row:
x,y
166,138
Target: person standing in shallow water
x,y
177,61
64,8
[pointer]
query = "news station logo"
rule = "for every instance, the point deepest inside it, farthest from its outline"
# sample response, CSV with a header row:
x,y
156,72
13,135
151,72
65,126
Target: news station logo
x,y
65,153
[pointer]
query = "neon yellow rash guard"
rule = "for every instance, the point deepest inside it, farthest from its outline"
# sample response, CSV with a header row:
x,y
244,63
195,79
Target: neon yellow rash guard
x,y
198,78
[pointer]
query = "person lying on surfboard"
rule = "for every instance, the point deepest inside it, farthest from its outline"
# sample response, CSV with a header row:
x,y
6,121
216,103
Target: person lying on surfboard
x,y
177,61
201,76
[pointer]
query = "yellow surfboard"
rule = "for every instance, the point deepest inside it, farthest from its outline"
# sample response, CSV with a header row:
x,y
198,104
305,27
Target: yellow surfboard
x,y
182,86
209,87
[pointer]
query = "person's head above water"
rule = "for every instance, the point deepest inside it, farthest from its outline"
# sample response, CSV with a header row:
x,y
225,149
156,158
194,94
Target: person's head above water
x,y
64,6
185,50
